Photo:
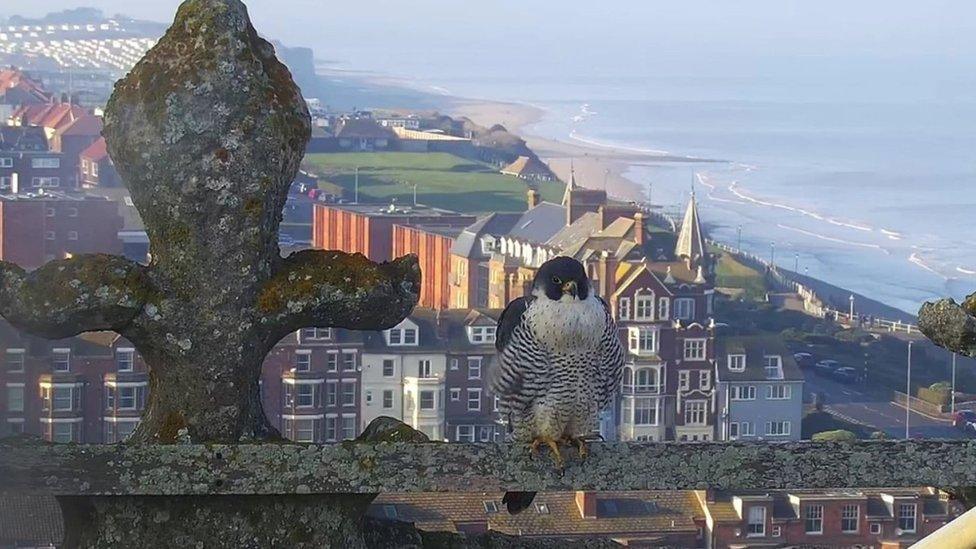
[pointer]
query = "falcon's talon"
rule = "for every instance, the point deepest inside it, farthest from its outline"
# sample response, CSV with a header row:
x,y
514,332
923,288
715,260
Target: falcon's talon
x,y
580,444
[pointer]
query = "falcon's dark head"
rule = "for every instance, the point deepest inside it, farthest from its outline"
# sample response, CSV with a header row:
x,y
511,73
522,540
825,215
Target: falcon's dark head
x,y
562,276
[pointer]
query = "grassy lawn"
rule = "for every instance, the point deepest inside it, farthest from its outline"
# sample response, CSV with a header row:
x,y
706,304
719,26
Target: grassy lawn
x,y
818,422
730,273
443,180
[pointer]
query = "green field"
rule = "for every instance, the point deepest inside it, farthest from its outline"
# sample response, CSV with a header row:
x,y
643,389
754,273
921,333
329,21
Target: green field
x,y
443,180
729,273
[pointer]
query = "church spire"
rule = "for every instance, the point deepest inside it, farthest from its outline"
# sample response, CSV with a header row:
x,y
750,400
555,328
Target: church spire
x,y
691,241
572,183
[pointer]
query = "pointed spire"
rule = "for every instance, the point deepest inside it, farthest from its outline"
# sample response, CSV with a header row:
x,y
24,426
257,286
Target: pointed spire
x,y
700,279
572,184
669,278
691,241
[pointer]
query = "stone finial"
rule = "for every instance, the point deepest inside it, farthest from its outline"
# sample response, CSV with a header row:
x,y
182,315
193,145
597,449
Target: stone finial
x,y
951,325
207,132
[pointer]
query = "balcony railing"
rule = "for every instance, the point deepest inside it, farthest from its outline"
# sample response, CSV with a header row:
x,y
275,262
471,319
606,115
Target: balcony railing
x,y
639,390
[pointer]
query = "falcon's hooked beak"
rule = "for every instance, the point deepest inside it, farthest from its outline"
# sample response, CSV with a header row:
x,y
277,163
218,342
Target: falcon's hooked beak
x,y
569,288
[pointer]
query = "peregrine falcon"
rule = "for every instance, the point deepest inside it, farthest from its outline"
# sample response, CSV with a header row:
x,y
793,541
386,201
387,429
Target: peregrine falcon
x,y
560,362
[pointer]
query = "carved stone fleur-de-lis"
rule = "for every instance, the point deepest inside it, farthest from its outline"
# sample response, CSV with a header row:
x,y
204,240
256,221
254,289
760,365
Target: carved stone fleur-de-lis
x,y
207,132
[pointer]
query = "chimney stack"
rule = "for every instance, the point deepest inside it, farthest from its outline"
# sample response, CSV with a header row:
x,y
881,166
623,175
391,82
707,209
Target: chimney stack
x,y
607,274
586,503
533,198
14,183
639,228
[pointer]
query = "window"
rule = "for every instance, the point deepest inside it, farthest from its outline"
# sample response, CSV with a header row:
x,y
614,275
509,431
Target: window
x,y
15,360
737,363
645,411
127,398
72,235
774,366
624,306
474,400
303,361
683,380
62,432
315,334
627,380
813,519
425,369
73,212
402,336
49,235
387,367
694,349
348,362
778,392
61,360
46,162
465,433
455,394
482,334
348,427
733,431
491,507
124,359
663,309
369,396
485,433
646,379
331,427
684,308
387,399
332,362
15,397
62,399
777,428
642,340
49,212
848,519
742,392
747,429
644,307
875,528
695,412
6,162
389,511
410,336
301,430
474,367
542,508
349,393
777,531
426,400
304,395
757,521
906,517
705,379
331,393
94,169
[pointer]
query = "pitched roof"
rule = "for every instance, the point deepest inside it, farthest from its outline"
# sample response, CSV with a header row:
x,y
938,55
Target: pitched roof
x,y
755,348
29,520
84,126
576,232
11,78
23,138
636,513
496,224
95,152
527,167
363,128
691,241
540,223
53,115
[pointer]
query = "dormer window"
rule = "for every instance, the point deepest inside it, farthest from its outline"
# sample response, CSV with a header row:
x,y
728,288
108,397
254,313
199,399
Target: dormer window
x,y
774,366
488,245
737,363
481,334
402,335
315,334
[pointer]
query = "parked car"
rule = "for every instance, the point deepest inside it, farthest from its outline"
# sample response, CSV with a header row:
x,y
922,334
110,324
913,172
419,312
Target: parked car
x,y
826,366
845,374
804,360
964,419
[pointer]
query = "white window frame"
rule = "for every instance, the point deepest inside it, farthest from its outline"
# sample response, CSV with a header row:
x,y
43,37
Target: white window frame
x,y
303,360
468,434
779,428
623,306
433,399
21,362
331,393
696,412
779,391
56,354
638,338
388,362
6,162
663,309
475,366
72,235
684,308
747,429
15,388
705,379
644,306
347,364
455,394
850,511
742,392
692,351
649,405
684,380
773,363
756,522
425,369
119,360
480,335
46,163
388,393
45,182
875,528
476,393
343,393
736,362
913,516
813,517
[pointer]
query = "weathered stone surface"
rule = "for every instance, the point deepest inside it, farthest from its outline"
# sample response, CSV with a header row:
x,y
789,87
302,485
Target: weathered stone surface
x,y
950,325
356,467
207,132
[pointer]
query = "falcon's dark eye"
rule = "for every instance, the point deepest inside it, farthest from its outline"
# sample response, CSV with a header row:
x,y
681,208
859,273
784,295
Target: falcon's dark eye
x,y
555,280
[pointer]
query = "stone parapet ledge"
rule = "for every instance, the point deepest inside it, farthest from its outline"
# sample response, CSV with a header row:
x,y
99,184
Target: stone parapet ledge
x,y
368,468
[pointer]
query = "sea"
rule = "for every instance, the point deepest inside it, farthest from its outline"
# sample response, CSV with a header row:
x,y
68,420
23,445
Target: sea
x,y
859,173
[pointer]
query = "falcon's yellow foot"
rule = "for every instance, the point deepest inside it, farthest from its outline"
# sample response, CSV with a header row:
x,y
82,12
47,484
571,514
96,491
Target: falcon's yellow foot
x,y
553,447
579,443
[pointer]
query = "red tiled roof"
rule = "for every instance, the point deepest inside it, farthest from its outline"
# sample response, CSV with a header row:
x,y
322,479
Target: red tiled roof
x,y
10,78
84,126
50,115
95,152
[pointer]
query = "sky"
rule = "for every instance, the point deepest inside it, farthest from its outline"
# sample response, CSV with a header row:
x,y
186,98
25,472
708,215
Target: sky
x,y
712,29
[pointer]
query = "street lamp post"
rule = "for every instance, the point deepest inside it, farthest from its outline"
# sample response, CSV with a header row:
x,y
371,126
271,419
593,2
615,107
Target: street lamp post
x,y
738,245
852,310
796,263
908,391
772,255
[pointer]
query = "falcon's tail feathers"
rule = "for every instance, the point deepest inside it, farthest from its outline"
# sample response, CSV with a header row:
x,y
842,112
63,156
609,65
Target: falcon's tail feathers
x,y
516,502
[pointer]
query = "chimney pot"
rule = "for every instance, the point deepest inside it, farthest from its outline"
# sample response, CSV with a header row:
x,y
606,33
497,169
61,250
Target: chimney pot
x,y
533,198
639,228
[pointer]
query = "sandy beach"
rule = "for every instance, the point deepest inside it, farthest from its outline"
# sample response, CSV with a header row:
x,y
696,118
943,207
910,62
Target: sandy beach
x,y
595,166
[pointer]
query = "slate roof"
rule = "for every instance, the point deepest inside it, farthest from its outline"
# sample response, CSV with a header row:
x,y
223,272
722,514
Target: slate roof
x,y
622,514
468,244
691,240
86,126
30,520
755,348
23,138
540,224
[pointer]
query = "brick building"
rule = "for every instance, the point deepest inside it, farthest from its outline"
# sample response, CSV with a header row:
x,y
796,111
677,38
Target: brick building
x,y
36,228
881,518
27,163
96,167
431,243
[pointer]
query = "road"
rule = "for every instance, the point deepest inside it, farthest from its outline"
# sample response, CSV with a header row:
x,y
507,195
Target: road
x,y
857,404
